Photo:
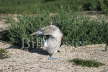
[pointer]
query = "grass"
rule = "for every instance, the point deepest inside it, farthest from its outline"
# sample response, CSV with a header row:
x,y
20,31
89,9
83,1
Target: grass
x,y
41,6
3,53
32,6
86,63
78,30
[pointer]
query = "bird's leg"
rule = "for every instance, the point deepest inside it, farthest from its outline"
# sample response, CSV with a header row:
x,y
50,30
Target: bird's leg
x,y
53,58
50,57
106,47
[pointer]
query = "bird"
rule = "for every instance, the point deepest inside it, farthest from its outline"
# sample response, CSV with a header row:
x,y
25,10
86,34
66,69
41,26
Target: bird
x,y
53,42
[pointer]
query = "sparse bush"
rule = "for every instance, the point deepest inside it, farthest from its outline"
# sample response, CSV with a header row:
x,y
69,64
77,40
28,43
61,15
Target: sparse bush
x,y
41,6
86,63
95,5
92,5
104,6
77,30
48,0
3,53
26,25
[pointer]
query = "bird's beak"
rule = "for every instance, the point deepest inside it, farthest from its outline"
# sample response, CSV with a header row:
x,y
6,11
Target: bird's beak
x,y
37,33
34,33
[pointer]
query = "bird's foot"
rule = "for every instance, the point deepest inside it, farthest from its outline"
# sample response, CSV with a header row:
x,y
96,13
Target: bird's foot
x,y
53,58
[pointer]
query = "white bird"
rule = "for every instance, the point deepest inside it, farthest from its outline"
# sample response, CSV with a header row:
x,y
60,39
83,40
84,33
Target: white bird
x,y
52,44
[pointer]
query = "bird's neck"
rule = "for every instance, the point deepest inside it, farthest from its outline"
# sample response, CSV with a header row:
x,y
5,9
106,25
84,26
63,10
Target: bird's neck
x,y
57,35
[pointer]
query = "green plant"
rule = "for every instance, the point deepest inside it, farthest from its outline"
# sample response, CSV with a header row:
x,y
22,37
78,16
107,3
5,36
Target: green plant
x,y
78,30
41,6
86,63
104,6
36,6
26,25
92,5
3,53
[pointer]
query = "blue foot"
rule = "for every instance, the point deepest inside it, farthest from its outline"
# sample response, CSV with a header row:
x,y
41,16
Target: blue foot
x,y
52,58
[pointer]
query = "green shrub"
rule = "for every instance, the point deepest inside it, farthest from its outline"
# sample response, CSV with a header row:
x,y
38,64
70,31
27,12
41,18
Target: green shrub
x,y
95,5
36,6
3,53
104,6
48,0
86,63
41,6
26,25
81,30
91,5
77,30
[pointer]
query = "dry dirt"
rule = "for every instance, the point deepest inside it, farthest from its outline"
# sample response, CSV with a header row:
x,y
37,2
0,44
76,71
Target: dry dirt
x,y
3,26
24,61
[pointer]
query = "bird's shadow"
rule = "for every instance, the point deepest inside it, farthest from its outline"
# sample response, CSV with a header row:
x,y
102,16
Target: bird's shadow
x,y
38,50
32,50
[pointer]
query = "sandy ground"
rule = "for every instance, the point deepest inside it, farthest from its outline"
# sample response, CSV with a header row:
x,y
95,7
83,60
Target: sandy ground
x,y
24,61
3,26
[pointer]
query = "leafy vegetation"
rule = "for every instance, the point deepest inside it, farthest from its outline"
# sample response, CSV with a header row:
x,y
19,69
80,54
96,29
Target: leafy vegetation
x,y
41,6
86,63
3,53
78,30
